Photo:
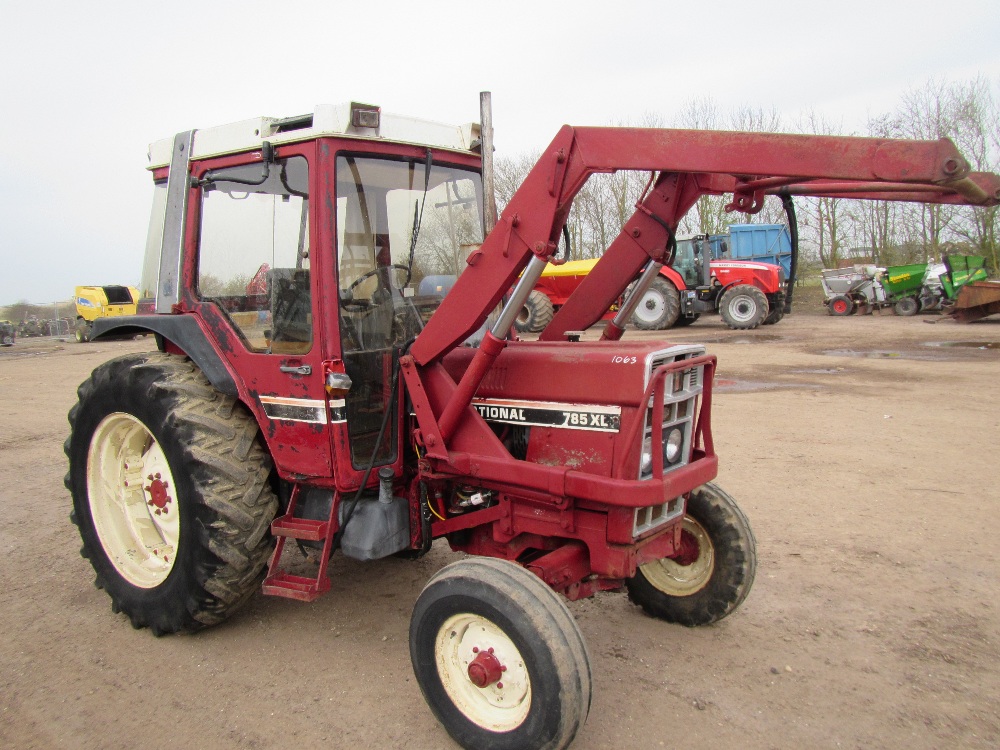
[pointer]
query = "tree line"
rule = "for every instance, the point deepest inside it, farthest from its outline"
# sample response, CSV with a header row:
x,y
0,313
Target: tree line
x,y
832,231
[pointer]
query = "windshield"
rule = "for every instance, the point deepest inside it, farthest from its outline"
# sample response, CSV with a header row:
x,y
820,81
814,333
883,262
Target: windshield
x,y
396,238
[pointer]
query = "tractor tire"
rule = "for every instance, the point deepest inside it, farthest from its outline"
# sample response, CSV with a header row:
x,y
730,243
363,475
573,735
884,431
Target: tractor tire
x,y
536,313
82,333
686,320
841,305
188,549
714,572
906,307
659,307
499,658
774,316
743,307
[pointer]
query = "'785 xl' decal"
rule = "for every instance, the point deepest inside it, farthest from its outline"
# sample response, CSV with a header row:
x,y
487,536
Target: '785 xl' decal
x,y
549,414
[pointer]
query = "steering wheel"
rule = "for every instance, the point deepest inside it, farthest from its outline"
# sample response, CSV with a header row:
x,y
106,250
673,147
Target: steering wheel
x,y
368,274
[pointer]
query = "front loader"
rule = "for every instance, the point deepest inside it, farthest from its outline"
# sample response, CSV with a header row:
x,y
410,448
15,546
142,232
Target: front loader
x,y
349,400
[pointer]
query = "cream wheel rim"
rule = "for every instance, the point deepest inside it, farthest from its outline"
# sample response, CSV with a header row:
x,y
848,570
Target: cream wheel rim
x,y
499,707
132,500
675,579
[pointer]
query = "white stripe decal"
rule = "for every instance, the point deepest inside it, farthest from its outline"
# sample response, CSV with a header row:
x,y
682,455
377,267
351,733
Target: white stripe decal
x,y
294,409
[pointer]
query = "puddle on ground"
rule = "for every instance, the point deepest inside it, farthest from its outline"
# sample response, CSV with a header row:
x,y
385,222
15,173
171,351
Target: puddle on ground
x,y
820,371
745,339
878,354
966,344
722,385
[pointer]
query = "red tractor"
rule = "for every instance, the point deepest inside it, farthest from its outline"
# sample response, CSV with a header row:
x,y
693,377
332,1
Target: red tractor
x,y
746,293
348,404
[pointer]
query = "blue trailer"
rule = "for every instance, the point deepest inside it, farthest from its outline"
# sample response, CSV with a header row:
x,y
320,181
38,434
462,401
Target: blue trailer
x,y
766,243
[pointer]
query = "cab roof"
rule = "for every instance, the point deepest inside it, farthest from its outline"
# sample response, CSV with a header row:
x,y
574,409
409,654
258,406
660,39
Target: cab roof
x,y
326,120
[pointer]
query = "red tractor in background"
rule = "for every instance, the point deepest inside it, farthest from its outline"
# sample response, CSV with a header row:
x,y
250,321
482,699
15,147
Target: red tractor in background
x,y
746,293
345,402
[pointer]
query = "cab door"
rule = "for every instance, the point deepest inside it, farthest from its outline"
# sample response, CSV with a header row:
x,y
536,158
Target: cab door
x,y
256,288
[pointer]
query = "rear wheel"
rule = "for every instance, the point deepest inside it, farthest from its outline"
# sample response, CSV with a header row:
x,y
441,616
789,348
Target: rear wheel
x,y
659,307
714,571
499,658
906,307
536,313
170,492
743,307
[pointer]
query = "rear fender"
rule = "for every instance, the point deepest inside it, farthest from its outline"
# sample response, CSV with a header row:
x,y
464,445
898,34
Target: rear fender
x,y
674,278
180,331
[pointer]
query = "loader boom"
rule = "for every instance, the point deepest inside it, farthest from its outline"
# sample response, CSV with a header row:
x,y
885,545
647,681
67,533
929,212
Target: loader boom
x,y
684,165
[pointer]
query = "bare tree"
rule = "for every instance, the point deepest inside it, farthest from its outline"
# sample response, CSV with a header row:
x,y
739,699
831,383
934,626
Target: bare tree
x,y
976,115
708,215
824,221
510,173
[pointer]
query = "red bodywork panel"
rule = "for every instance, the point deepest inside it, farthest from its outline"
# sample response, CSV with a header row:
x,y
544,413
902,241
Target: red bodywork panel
x,y
764,276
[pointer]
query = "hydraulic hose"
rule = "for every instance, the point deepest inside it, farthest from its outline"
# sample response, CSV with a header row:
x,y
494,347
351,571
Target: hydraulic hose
x,y
793,232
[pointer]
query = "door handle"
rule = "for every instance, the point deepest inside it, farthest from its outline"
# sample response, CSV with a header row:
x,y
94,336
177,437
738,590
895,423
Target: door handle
x,y
296,370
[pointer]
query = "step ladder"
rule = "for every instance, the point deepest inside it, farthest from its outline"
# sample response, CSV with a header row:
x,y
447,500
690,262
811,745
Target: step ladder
x,y
302,588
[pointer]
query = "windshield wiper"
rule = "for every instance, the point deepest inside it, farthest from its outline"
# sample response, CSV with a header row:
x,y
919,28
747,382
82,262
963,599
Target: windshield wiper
x,y
418,217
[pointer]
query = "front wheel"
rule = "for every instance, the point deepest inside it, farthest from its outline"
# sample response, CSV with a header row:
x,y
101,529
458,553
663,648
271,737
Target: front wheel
x,y
743,307
171,492
499,658
714,571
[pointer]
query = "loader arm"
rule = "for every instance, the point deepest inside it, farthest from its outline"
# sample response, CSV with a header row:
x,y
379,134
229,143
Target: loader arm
x,y
687,165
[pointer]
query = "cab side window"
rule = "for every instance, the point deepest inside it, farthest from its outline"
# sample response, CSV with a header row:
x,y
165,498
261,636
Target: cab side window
x,y
254,252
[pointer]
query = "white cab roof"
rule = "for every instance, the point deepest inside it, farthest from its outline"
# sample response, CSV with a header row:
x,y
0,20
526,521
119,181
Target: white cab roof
x,y
327,119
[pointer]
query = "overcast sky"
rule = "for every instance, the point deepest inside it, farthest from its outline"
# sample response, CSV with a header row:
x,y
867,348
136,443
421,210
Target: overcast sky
x,y
85,87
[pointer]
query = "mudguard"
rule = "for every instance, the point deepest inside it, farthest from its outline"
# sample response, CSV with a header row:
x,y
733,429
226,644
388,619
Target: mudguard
x,y
181,330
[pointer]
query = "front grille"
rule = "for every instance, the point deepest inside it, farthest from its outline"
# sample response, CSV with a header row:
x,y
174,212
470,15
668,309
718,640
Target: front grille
x,y
680,398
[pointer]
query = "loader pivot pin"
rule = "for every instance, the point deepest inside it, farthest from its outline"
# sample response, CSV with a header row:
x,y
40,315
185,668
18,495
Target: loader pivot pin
x,y
485,669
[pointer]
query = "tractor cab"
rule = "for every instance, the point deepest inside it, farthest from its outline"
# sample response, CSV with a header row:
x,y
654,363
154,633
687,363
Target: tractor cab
x,y
693,261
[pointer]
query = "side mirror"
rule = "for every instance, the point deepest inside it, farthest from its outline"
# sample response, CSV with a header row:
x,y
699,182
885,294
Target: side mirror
x,y
723,248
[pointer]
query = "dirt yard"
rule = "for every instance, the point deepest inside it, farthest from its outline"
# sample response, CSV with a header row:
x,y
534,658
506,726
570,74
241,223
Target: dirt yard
x,y
863,451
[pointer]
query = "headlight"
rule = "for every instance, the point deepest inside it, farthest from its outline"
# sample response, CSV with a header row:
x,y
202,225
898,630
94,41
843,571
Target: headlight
x,y
673,445
646,457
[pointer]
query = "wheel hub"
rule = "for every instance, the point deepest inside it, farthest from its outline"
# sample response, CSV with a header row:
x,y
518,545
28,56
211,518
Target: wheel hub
x,y
744,309
651,306
158,497
688,554
486,669
483,672
691,569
